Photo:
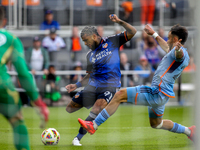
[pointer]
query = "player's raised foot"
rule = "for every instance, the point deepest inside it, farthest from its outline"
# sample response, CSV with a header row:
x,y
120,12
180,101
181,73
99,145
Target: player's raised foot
x,y
76,142
191,137
87,125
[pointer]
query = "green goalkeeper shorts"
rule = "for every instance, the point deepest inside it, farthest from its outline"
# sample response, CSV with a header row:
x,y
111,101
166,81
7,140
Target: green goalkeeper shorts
x,y
10,102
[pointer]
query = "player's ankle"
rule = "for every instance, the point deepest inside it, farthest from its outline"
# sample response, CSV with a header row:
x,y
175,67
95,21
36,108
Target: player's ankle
x,y
95,125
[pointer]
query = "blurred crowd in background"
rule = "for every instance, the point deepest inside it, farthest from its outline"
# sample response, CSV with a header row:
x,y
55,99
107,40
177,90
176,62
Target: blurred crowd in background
x,y
52,52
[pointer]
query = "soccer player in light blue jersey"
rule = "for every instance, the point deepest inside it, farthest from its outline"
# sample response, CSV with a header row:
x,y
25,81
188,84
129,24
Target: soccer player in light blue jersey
x,y
103,72
156,96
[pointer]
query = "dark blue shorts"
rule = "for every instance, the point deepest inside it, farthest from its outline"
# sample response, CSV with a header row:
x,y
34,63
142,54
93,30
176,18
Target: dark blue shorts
x,y
88,96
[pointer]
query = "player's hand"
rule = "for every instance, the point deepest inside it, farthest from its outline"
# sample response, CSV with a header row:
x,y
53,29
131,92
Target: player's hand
x,y
71,87
114,18
178,45
149,30
42,110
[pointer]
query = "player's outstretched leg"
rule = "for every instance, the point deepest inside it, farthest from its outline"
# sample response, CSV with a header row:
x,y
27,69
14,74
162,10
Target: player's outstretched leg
x,y
171,126
21,139
91,127
82,131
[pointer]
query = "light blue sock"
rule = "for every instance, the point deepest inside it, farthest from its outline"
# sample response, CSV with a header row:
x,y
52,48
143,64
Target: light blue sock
x,y
178,128
102,117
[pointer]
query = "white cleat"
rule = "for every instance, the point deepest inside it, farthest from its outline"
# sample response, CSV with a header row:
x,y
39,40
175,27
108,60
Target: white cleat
x,y
76,142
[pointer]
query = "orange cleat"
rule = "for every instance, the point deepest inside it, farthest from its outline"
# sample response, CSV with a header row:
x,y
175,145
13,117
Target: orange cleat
x,y
191,137
87,125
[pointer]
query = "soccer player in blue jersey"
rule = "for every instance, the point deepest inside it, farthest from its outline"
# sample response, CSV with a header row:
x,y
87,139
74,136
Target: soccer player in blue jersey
x,y
103,68
156,96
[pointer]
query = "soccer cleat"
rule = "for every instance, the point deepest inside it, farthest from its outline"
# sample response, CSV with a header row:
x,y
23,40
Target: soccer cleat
x,y
191,137
76,142
87,125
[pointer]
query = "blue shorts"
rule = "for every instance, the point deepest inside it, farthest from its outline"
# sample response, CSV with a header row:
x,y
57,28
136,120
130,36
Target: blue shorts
x,y
88,96
148,96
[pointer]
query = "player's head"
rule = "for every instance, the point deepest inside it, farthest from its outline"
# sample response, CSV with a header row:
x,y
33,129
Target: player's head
x,y
90,37
176,33
2,17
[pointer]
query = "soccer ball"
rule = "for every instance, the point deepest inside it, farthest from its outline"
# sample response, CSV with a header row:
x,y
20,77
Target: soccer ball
x,y
50,136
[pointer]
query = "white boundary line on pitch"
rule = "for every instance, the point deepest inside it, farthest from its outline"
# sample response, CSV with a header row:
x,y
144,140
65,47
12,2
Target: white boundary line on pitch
x,y
71,128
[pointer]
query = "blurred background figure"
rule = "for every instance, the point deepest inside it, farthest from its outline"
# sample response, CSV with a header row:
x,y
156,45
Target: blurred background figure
x,y
74,43
161,33
147,12
143,79
191,67
142,42
75,78
53,42
128,8
51,82
37,59
152,52
100,30
49,22
125,65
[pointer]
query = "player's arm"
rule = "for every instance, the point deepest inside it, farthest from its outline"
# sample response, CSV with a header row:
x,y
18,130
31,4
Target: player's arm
x,y
178,51
83,82
130,30
26,80
163,44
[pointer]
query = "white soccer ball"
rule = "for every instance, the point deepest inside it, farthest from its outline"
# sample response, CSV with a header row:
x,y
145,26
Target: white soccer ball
x,y
50,136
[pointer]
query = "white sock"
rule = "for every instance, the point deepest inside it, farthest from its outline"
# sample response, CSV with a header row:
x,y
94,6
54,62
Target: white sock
x,y
95,125
187,131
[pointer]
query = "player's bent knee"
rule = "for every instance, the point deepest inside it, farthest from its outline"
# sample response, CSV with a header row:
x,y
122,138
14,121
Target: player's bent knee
x,y
159,126
16,118
121,96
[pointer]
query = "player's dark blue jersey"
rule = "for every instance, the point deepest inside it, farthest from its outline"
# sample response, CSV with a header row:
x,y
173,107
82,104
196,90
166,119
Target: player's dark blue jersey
x,y
103,63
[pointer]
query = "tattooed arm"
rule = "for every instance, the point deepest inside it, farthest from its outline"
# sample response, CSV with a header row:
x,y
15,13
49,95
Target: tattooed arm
x,y
131,31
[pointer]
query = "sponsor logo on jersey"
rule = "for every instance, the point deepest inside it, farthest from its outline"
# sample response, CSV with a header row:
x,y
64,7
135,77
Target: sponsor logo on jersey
x,y
105,45
93,60
2,39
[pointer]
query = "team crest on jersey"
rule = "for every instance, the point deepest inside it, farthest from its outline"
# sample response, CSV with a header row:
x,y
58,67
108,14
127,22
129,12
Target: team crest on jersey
x,y
77,95
105,45
2,39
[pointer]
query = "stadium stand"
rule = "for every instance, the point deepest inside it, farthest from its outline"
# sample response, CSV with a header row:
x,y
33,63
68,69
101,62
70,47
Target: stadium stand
x,y
60,59
35,12
80,17
59,8
27,41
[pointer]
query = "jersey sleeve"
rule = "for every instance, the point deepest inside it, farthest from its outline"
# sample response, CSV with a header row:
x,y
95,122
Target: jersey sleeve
x,y
119,39
25,78
89,64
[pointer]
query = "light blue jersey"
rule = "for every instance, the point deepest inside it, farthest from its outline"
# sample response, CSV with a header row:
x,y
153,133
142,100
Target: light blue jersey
x,y
168,71
156,96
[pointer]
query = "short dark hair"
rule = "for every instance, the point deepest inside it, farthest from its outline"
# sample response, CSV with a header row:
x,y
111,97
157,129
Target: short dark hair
x,y
89,30
180,31
2,14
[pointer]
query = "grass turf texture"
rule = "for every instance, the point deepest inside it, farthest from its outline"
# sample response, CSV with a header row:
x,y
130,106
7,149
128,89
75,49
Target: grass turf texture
x,y
128,128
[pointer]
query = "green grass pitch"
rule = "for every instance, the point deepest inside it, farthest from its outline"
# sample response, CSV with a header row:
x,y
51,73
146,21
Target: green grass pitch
x,y
127,129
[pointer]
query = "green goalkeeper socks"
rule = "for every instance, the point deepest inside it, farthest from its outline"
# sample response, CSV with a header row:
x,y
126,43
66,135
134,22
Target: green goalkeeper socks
x,y
21,139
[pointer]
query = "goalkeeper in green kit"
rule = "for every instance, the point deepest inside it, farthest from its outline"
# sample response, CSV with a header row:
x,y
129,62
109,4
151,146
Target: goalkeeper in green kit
x,y
11,49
